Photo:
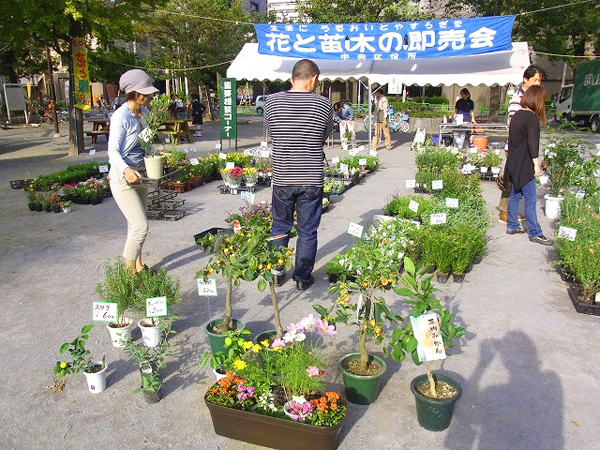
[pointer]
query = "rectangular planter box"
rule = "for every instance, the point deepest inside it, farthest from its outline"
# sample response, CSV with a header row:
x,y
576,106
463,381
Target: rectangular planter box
x,y
271,431
581,307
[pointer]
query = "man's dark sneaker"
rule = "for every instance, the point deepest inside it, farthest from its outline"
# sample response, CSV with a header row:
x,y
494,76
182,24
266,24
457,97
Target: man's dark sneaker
x,y
278,277
302,285
519,230
541,239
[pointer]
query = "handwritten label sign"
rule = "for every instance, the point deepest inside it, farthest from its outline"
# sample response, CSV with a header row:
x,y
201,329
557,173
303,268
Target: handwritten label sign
x,y
362,162
248,197
437,185
353,152
217,146
373,152
167,140
580,195
497,151
263,143
496,170
413,206
452,202
355,229
335,159
483,169
426,330
222,156
193,149
103,169
194,161
229,165
186,151
105,312
472,150
437,219
411,183
567,233
156,306
597,298
543,179
344,168
265,153
92,152
207,288
361,148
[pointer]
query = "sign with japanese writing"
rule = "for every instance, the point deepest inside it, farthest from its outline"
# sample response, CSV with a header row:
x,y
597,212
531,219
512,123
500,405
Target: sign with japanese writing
x,y
411,183
355,229
395,85
247,197
81,75
194,161
207,288
437,219
426,330
413,206
362,162
387,41
228,105
156,306
567,233
436,185
105,312
103,169
451,202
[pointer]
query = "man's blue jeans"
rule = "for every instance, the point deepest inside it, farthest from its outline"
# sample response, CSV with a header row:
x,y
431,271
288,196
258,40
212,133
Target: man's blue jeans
x,y
527,191
307,201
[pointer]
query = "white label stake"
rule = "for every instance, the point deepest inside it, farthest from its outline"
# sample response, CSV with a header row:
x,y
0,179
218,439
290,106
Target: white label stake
x,y
207,288
452,202
355,229
105,312
567,233
411,184
413,206
437,219
156,306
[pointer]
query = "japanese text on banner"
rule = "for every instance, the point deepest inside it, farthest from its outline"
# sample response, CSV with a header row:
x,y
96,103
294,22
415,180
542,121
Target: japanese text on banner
x,y
228,104
81,75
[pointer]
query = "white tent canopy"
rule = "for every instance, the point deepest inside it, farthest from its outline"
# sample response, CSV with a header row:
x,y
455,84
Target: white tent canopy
x,y
499,68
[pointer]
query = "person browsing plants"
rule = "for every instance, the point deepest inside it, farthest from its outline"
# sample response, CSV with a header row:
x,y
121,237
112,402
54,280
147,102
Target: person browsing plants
x,y
126,158
523,164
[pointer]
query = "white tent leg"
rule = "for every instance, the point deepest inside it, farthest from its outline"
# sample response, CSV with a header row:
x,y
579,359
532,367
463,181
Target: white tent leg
x,y
370,107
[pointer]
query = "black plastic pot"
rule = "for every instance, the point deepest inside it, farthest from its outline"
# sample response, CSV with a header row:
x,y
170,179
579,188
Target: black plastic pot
x,y
434,414
31,206
39,207
47,208
458,277
152,396
56,208
96,201
442,277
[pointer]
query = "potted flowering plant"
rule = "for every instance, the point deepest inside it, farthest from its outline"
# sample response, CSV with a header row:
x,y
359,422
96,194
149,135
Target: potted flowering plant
x,y
562,155
231,358
66,206
158,109
34,200
94,371
250,176
233,178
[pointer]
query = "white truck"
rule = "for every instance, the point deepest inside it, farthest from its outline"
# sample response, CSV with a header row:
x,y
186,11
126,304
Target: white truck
x,y
580,101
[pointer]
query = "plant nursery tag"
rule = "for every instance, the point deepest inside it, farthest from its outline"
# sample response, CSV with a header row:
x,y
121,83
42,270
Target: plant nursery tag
x,y
222,156
263,143
373,152
437,184
167,141
413,206
248,197
207,288
335,159
194,161
229,165
597,298
193,149
105,312
473,150
411,183
92,152
437,219
483,169
186,151
156,306
567,233
543,179
362,162
417,224
344,168
361,148
452,202
497,151
496,170
426,330
355,229
103,169
454,151
265,153
353,151
217,146
580,195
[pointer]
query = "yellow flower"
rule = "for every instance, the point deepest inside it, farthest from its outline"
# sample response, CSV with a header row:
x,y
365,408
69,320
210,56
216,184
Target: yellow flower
x,y
276,349
256,348
239,364
265,343
247,345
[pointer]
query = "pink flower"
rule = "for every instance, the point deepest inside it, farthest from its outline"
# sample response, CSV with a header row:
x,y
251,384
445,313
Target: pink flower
x,y
325,328
295,327
278,343
313,371
308,323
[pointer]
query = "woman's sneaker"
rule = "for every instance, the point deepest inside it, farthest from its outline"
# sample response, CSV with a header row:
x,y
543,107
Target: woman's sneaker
x,y
541,239
519,230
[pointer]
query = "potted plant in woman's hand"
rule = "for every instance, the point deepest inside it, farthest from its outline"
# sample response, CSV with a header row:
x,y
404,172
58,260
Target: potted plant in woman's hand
x,y
94,371
435,394
119,286
158,109
562,157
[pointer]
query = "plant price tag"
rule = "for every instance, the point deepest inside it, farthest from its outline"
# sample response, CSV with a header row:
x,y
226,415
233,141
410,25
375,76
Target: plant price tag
x,y
426,330
229,165
473,150
452,202
413,206
344,168
496,170
362,162
193,149
580,195
222,156
567,233
93,151
483,169
248,197
217,146
263,143
436,185
265,153
497,151
597,298
105,312
167,140
207,288
355,229
361,148
103,169
411,183
373,152
335,159
543,179
186,151
194,161
437,219
353,152
156,306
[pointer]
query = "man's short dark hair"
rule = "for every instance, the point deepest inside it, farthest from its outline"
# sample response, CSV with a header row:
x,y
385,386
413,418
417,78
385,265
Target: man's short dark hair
x,y
531,71
305,69
337,106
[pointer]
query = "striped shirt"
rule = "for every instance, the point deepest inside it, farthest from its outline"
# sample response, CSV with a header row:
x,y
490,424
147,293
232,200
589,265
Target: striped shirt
x,y
299,123
515,103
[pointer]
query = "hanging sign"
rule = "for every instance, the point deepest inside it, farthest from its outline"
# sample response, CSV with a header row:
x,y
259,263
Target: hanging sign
x,y
105,312
207,288
387,41
228,104
81,75
426,330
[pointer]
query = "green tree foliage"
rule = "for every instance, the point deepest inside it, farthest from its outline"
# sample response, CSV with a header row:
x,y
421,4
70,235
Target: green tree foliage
x,y
354,11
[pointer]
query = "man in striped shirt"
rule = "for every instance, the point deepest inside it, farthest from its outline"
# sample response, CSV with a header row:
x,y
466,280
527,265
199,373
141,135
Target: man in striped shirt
x,y
299,122
531,77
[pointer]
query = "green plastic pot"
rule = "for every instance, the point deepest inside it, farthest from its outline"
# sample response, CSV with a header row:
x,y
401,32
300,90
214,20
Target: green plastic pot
x,y
361,389
217,341
434,414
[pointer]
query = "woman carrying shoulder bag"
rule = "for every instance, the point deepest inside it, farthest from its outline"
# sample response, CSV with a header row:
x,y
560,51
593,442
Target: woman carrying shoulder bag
x,y
523,163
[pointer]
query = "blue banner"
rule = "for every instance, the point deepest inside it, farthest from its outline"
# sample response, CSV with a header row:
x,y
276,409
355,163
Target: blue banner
x,y
387,41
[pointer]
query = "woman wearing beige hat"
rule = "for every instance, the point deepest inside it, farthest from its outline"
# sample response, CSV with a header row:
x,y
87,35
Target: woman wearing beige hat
x,y
126,158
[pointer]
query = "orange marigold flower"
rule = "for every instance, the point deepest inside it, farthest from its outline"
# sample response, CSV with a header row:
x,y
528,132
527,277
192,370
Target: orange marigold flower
x,y
334,407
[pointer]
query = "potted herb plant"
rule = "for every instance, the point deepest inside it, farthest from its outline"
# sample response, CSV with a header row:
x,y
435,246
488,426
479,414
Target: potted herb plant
x,y
157,114
119,286
435,394
66,206
562,156
94,371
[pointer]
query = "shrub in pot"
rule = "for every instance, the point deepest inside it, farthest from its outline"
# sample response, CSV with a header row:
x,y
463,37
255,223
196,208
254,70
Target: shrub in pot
x,y
94,371
153,119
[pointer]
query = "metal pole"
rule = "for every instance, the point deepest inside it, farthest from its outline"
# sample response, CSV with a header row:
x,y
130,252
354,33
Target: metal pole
x,y
52,94
370,118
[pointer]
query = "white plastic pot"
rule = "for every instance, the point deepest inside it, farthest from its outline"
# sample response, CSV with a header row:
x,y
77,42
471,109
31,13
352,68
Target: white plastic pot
x,y
552,207
154,166
219,375
96,381
67,210
120,333
150,333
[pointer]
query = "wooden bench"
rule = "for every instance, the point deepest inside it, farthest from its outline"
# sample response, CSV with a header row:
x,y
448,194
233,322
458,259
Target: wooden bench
x,y
94,134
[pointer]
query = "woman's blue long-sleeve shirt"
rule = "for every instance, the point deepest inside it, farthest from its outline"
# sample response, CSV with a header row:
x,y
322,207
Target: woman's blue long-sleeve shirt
x,y
124,149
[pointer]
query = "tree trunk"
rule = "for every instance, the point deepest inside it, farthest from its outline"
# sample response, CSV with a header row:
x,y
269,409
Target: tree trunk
x,y
225,325
362,346
494,103
432,390
276,315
